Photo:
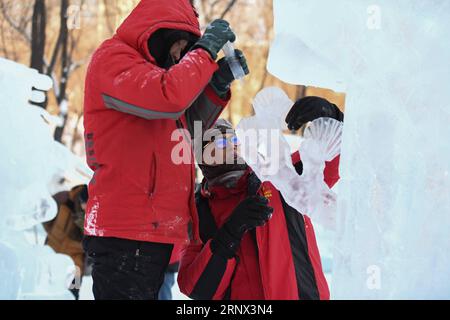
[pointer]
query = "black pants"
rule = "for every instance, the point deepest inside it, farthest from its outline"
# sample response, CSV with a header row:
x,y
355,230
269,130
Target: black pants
x,y
125,269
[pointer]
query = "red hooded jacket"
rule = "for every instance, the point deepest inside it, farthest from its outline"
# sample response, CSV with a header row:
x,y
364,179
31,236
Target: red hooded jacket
x,y
132,109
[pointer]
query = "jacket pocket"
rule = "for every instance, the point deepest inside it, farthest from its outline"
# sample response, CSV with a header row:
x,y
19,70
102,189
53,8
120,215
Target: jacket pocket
x,y
153,177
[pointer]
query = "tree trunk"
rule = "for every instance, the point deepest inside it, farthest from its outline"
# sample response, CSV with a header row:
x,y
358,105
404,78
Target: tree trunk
x,y
65,65
39,22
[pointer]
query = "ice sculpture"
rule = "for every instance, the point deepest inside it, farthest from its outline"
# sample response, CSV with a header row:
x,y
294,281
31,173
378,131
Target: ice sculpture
x,y
393,227
267,151
321,143
30,162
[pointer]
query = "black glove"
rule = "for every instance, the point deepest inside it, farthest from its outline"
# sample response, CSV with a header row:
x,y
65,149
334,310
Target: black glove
x,y
309,109
223,77
251,213
299,167
217,34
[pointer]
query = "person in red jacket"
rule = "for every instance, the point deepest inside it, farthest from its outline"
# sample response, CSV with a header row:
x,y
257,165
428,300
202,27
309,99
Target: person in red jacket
x,y
254,245
155,77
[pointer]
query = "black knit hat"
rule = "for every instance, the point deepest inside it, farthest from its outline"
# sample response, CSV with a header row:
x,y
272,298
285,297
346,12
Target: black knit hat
x,y
221,127
162,40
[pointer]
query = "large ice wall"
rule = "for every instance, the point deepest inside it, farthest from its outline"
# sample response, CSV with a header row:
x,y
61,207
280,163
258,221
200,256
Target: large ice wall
x,y
392,60
30,163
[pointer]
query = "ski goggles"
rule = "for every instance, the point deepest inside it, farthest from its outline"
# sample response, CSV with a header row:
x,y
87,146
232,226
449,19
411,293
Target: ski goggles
x,y
225,142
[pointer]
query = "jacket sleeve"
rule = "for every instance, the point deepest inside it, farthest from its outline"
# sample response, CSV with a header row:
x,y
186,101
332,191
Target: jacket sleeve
x,y
204,275
132,85
331,171
205,110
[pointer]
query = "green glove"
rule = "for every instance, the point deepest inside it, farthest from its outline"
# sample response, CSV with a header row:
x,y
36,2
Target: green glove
x,y
223,77
217,34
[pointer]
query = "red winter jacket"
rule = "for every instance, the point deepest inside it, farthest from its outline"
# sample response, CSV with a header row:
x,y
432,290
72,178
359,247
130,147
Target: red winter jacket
x,y
279,261
132,108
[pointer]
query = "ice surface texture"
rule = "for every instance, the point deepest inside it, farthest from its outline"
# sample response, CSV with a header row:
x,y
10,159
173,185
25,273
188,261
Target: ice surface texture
x,y
31,160
392,58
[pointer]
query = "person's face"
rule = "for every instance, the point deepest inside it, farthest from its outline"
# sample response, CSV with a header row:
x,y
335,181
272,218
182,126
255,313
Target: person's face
x,y
177,49
223,150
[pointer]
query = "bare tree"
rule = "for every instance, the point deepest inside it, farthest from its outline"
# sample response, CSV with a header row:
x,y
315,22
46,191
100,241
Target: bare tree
x,y
60,64
39,23
214,9
227,9
18,19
